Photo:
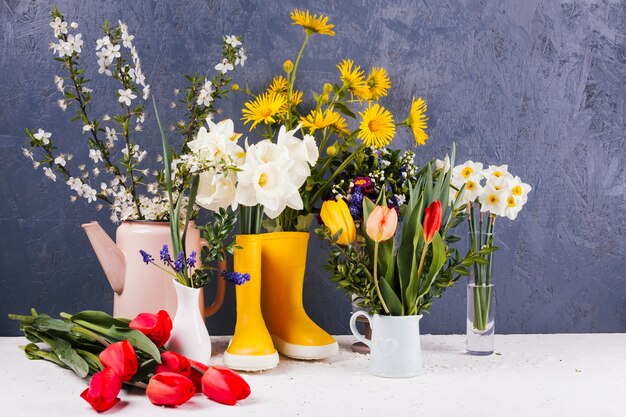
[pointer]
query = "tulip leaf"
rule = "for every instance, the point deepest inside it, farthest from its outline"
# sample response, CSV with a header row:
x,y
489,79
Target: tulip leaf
x,y
99,318
145,368
137,339
44,324
64,351
391,298
437,262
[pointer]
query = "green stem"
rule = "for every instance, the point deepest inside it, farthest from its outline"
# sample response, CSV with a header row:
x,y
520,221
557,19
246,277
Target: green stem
x,y
292,80
419,275
380,295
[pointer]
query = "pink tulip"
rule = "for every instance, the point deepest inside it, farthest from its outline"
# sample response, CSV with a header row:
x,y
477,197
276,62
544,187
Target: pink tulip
x,y
382,223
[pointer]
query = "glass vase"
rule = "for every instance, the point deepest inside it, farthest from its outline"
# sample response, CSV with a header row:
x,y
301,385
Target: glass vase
x,y
481,303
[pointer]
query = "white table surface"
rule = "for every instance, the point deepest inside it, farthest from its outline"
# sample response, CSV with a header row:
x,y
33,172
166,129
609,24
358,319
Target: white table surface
x,y
531,376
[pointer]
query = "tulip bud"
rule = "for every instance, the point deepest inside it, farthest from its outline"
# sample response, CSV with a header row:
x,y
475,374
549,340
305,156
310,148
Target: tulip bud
x,y
234,87
382,223
288,66
103,390
157,327
432,220
173,362
121,358
170,389
336,216
328,88
224,386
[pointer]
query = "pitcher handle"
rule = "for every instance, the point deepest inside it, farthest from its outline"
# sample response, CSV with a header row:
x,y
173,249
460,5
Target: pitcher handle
x,y
221,286
355,331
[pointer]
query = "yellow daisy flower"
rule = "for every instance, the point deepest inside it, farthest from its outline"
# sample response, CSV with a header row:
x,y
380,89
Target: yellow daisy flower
x,y
417,120
353,79
279,85
312,23
263,109
341,127
377,83
377,127
319,120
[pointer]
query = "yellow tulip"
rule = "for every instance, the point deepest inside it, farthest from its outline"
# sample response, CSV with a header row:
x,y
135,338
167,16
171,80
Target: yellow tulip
x,y
336,216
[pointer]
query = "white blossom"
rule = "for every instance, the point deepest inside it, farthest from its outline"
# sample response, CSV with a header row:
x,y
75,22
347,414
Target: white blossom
x,y
75,184
241,57
60,160
224,66
49,173
103,42
74,25
146,92
87,128
205,96
59,82
59,26
43,136
232,40
126,96
95,154
111,134
62,104
89,193
27,153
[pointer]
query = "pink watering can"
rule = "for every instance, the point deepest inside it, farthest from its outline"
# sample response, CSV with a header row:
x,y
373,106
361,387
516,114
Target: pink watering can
x,y
138,287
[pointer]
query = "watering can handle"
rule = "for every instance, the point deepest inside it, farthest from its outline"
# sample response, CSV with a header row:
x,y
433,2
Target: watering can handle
x,y
221,287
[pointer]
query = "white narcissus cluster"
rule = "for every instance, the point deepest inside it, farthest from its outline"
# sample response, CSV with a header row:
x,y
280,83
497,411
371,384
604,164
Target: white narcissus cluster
x,y
268,173
497,190
273,173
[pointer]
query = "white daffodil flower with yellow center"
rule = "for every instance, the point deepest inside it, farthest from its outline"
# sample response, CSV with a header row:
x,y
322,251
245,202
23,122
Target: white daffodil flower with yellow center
x,y
493,201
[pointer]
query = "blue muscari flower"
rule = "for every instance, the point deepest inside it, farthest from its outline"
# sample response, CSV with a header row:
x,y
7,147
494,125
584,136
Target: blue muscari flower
x,y
165,255
179,264
147,258
236,278
191,261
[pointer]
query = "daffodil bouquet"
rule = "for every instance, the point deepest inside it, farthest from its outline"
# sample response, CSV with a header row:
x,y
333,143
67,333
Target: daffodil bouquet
x,y
353,95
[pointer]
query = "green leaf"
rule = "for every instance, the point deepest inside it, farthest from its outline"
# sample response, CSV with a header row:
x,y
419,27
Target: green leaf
x,y
437,262
66,354
391,298
99,318
344,109
304,222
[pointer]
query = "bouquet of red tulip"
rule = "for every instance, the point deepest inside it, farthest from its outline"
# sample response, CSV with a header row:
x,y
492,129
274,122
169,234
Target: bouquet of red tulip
x,y
120,351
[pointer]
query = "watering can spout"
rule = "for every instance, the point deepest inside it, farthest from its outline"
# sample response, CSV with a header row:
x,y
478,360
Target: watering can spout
x,y
110,256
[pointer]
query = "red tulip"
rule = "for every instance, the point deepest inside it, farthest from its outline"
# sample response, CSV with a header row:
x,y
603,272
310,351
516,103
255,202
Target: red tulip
x,y
224,386
173,362
121,358
170,389
197,371
103,390
432,220
382,223
156,326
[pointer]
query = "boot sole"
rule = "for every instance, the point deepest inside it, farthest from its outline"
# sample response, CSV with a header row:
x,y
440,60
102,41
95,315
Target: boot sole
x,y
304,352
250,363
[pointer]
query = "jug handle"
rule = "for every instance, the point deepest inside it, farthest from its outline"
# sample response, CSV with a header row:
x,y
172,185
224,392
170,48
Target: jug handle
x,y
221,287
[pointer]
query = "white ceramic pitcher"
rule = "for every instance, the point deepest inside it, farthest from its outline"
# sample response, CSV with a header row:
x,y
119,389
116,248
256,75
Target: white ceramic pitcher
x,y
395,350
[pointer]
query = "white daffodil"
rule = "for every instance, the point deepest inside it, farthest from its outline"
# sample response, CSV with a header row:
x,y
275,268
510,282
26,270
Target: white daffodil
x,y
519,190
466,170
513,207
216,191
218,143
493,200
303,152
494,172
473,188
43,136
443,165
49,173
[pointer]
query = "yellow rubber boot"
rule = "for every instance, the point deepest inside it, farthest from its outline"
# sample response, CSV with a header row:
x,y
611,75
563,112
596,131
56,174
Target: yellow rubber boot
x,y
294,334
251,348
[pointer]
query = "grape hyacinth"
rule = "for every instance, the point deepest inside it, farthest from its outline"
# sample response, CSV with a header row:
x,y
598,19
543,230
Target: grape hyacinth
x,y
236,278
178,266
164,254
147,258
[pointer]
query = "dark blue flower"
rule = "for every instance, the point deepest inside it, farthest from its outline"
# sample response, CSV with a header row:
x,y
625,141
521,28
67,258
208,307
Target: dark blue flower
x,y
165,255
147,258
179,264
236,278
191,261
357,196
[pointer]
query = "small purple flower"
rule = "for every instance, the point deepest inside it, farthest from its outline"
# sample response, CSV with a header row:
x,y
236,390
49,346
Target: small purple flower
x,y
179,264
147,258
165,255
191,261
236,278
357,196
364,182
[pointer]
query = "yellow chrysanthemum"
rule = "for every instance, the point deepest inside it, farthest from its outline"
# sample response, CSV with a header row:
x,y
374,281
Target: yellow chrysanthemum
x,y
353,79
417,120
377,83
312,23
319,120
341,127
279,85
263,109
377,127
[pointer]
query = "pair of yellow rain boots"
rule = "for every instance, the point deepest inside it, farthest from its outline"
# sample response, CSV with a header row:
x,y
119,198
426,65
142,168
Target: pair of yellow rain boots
x,y
270,314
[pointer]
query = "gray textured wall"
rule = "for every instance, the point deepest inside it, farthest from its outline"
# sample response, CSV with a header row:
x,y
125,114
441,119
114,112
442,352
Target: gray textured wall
x,y
538,84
